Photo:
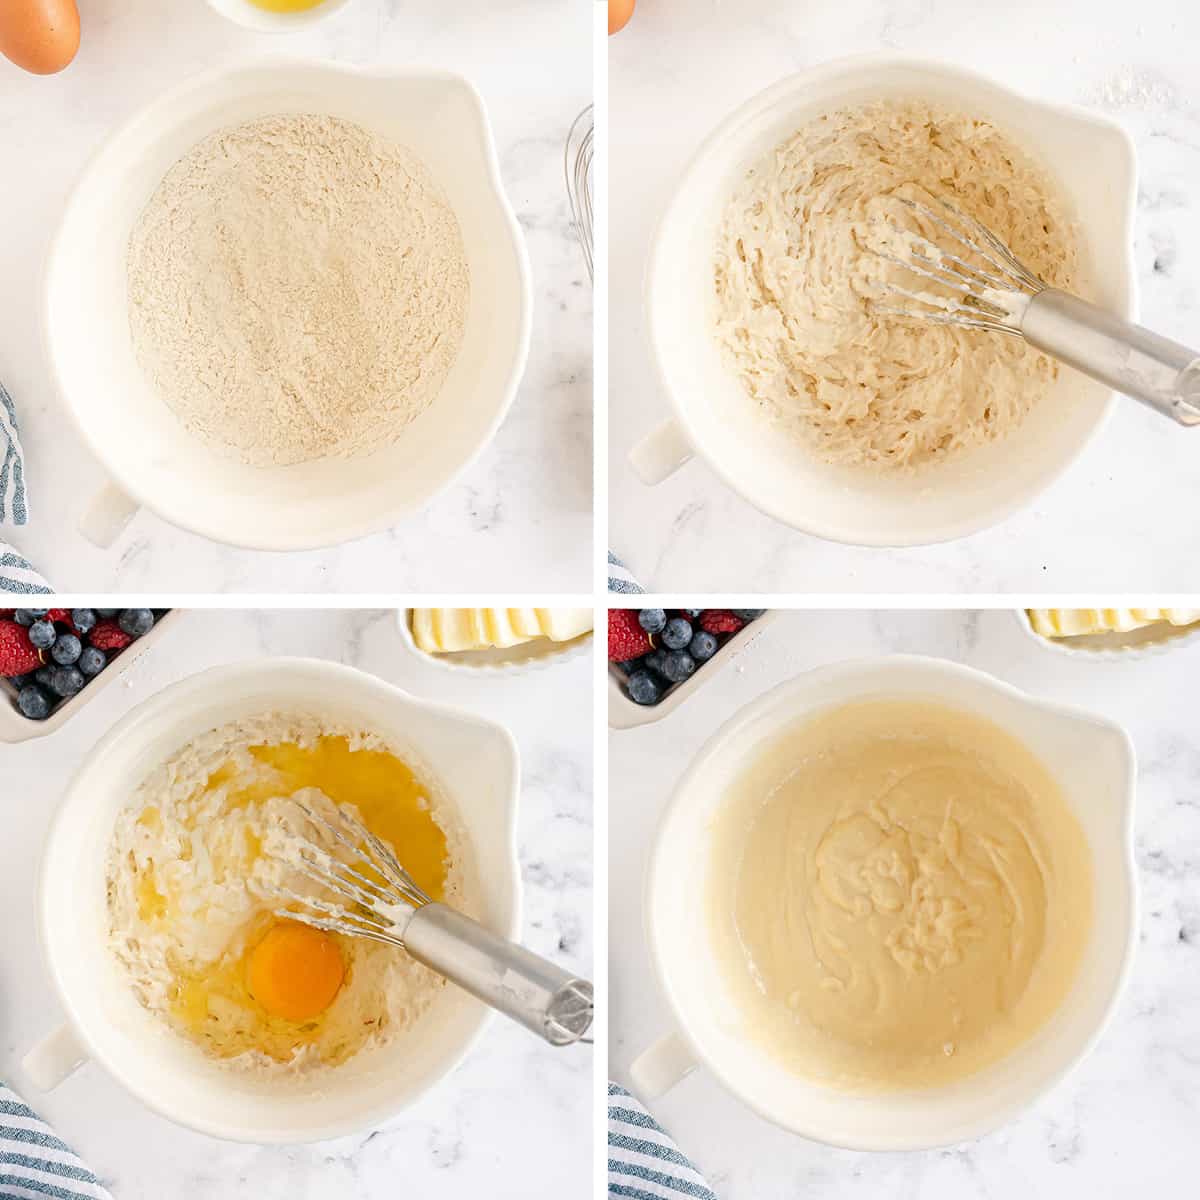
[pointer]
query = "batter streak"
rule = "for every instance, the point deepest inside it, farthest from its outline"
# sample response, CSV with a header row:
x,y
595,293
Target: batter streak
x,y
900,895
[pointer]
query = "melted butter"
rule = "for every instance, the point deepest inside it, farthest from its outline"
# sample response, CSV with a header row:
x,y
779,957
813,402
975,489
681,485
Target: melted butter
x,y
900,895
287,6
215,1006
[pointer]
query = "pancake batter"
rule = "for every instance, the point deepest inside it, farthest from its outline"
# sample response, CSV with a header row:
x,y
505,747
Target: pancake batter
x,y
900,895
796,282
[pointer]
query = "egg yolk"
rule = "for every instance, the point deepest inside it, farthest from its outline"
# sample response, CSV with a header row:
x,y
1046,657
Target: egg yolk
x,y
295,972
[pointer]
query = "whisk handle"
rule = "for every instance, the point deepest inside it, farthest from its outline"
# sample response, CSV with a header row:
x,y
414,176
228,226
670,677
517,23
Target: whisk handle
x,y
533,991
1155,370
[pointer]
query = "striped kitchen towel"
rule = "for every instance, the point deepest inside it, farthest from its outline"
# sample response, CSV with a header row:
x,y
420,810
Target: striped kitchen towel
x,y
620,578
643,1162
16,574
34,1164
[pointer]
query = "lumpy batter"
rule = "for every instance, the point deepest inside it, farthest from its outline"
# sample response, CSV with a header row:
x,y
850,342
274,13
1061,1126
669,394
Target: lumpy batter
x,y
900,895
797,284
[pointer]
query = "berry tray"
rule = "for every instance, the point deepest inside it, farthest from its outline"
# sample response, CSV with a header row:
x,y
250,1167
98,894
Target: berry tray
x,y
15,727
624,713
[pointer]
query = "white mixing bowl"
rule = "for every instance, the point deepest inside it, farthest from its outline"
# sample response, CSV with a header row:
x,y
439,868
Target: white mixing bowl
x,y
1093,161
1093,762
151,458
476,764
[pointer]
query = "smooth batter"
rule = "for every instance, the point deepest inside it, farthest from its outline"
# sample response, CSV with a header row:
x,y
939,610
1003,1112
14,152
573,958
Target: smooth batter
x,y
899,895
797,285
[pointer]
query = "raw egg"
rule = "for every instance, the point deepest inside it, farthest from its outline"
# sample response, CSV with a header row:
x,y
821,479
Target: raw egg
x,y
41,36
619,12
296,971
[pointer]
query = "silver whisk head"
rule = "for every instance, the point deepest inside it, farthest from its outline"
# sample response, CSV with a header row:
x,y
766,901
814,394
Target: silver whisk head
x,y
577,166
972,280
364,871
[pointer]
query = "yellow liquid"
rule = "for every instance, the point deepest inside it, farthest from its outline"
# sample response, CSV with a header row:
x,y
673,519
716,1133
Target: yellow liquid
x,y
287,6
216,1007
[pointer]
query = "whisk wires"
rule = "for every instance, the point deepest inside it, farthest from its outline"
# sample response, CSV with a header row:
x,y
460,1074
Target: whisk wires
x,y
987,282
577,167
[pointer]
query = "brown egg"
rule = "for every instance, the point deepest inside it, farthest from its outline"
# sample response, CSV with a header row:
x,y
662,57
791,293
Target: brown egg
x,y
40,35
619,12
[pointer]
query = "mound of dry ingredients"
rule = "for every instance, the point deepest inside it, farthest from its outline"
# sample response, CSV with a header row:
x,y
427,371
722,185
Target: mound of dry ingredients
x,y
796,279
297,290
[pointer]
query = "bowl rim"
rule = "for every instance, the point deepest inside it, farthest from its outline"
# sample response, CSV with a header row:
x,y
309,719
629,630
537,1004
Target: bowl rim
x,y
207,81
259,20
729,730
201,683
749,109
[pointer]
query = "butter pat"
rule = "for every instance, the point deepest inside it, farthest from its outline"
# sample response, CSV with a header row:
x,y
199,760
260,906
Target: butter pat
x,y
449,630
1077,622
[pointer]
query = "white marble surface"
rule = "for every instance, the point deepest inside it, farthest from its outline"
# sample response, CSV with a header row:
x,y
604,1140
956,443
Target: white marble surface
x,y
1119,515
514,1122
1125,1123
521,518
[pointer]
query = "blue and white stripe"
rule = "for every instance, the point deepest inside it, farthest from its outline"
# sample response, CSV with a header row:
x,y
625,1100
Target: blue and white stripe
x,y
13,509
643,1162
34,1164
620,578
17,575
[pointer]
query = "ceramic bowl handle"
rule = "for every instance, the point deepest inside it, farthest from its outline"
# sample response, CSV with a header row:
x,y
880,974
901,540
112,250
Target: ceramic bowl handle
x,y
55,1057
657,1070
107,515
660,453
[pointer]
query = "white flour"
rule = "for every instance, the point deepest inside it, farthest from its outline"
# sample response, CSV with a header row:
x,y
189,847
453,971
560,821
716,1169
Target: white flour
x,y
297,290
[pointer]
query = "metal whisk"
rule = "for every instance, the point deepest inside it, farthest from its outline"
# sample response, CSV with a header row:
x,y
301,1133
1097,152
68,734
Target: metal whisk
x,y
979,283
577,167
384,903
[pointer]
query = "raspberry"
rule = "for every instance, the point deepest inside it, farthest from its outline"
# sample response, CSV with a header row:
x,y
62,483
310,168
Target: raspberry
x,y
626,638
60,615
18,655
109,636
720,620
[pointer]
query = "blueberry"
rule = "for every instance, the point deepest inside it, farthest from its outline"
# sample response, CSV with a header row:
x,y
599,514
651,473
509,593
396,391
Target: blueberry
x,y
136,621
677,634
748,614
20,681
84,619
66,681
66,650
678,666
92,661
654,661
27,616
629,665
42,634
644,688
703,646
42,675
691,612
652,620
107,612
34,703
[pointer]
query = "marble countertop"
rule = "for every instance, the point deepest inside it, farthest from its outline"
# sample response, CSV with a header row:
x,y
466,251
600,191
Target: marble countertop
x,y
521,517
1125,1122
1118,514
514,1121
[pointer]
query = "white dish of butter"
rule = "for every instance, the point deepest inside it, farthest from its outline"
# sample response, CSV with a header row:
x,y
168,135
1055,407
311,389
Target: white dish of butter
x,y
899,894
496,639
1110,633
